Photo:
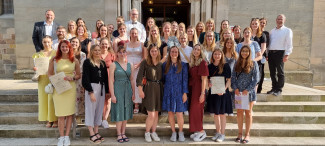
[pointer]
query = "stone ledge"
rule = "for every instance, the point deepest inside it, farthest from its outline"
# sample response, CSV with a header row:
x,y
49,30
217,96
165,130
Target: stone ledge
x,y
302,78
25,74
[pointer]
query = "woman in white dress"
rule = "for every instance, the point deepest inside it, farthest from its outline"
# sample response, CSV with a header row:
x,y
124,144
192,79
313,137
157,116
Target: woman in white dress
x,y
136,53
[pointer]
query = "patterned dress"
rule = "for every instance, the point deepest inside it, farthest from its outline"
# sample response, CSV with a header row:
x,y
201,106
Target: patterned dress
x,y
80,103
122,110
176,84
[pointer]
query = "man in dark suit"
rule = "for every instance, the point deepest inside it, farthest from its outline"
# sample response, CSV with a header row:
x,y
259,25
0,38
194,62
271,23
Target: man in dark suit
x,y
42,28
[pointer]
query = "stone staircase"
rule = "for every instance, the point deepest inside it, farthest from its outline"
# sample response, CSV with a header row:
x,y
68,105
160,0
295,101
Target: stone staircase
x,y
295,118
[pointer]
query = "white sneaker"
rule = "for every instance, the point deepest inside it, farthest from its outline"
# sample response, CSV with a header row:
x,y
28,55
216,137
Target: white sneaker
x,y
154,136
193,135
173,138
186,113
200,136
147,137
61,140
181,137
105,124
216,136
220,138
66,141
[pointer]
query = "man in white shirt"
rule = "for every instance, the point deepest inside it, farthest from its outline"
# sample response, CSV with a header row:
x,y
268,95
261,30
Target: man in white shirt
x,y
278,53
134,14
60,33
44,28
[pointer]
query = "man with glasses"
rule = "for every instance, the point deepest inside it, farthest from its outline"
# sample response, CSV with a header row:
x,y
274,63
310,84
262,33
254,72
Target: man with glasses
x,y
278,53
60,33
134,14
44,28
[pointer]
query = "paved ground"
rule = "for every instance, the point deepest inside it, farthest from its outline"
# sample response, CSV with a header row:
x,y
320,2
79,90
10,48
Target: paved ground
x,y
27,86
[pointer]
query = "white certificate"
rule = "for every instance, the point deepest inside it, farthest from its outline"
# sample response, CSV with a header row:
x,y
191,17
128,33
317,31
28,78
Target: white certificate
x,y
60,85
42,65
218,85
242,101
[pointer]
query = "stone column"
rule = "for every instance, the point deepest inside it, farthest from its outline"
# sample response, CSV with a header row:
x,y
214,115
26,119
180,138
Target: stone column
x,y
137,4
195,12
206,6
222,12
126,7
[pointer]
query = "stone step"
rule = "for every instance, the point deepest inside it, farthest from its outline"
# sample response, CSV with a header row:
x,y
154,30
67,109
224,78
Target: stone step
x,y
137,130
139,141
27,107
19,97
258,107
259,117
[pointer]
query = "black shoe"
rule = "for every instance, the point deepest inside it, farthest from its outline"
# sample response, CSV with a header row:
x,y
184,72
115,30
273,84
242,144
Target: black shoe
x,y
270,92
277,93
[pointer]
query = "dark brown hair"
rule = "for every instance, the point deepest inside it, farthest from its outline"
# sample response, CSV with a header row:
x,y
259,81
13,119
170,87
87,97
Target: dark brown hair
x,y
248,61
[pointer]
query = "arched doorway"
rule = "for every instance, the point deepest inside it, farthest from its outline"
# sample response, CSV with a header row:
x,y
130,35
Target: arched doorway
x,y
166,10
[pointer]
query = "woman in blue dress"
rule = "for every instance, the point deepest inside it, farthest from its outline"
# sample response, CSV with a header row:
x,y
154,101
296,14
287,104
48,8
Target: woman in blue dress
x,y
243,80
175,77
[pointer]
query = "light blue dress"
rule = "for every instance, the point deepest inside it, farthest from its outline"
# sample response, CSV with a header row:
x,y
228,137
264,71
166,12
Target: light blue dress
x,y
255,48
175,85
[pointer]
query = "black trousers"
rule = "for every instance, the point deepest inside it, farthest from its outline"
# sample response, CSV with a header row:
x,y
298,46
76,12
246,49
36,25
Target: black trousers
x,y
260,83
276,67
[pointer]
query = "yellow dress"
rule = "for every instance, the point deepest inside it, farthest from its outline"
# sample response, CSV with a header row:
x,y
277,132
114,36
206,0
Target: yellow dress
x,y
64,103
46,110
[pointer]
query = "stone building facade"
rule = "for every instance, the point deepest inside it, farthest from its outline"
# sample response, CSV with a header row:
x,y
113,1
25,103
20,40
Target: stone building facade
x,y
304,17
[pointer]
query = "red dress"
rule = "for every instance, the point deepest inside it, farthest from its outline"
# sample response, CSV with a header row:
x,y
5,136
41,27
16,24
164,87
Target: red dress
x,y
109,59
197,108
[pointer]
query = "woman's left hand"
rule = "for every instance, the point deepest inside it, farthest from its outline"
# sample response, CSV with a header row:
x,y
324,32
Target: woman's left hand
x,y
67,78
133,97
184,97
202,96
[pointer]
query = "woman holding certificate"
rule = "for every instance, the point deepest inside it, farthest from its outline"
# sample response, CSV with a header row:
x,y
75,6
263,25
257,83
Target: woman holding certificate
x,y
122,92
64,103
95,82
175,77
219,97
243,80
198,78
45,101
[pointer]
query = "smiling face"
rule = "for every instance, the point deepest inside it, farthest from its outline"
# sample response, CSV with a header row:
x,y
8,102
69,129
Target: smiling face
x,y
183,39
103,31
154,32
75,43
229,44
60,33
209,37
150,22
174,53
121,53
133,34
209,26
225,25
80,31
199,27
72,26
217,55
80,22
196,51
99,23
190,32
104,45
47,43
244,52
237,31
254,24
154,52
166,29
49,15
280,20
64,48
110,28
96,52
134,15
227,34
247,33
122,30
174,27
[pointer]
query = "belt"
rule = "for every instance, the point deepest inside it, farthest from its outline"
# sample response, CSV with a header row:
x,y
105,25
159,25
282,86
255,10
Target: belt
x,y
156,81
274,51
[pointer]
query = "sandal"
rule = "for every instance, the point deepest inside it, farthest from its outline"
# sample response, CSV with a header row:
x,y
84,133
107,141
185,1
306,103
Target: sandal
x,y
136,109
100,137
239,139
48,125
95,141
245,141
125,139
55,125
121,140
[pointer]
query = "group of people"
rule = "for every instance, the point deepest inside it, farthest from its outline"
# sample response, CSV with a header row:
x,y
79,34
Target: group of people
x,y
114,72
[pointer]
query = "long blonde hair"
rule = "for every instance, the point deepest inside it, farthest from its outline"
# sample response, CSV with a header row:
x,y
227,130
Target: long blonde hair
x,y
205,43
91,55
196,62
151,41
259,31
194,34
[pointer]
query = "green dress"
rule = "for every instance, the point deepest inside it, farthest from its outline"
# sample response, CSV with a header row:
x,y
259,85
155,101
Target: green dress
x,y
123,108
